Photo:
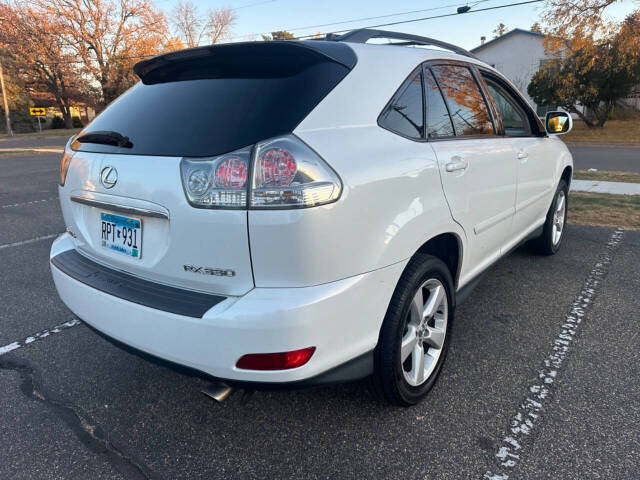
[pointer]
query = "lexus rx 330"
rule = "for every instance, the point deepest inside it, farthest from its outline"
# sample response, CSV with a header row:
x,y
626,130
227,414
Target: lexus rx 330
x,y
302,212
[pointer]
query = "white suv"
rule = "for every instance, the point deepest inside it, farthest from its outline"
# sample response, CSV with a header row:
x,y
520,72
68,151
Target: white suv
x,y
302,212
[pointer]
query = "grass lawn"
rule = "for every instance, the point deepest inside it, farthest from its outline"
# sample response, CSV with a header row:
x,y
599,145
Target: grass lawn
x,y
614,131
605,210
57,132
608,176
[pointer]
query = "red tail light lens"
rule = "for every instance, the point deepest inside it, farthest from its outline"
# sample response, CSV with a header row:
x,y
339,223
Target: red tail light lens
x,y
231,172
285,173
217,182
276,361
276,168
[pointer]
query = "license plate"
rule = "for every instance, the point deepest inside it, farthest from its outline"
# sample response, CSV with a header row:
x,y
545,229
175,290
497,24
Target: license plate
x,y
121,234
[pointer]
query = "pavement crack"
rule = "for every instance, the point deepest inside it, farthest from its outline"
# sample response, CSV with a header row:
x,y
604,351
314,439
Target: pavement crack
x,y
92,435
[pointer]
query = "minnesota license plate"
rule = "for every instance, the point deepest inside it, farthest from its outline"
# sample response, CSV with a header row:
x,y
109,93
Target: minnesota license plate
x,y
121,234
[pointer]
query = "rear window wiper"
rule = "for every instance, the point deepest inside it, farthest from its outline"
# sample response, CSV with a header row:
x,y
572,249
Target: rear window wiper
x,y
106,137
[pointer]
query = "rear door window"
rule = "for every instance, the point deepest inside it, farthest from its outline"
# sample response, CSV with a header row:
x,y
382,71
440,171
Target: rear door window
x,y
467,105
405,114
438,120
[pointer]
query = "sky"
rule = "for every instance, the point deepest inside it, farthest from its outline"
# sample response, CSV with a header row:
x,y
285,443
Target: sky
x,y
255,17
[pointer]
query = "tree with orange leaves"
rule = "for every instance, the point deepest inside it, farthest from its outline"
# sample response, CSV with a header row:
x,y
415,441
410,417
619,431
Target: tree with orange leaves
x,y
35,55
569,18
107,37
589,72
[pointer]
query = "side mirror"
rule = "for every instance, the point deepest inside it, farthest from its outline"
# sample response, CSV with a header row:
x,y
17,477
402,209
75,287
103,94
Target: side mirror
x,y
558,123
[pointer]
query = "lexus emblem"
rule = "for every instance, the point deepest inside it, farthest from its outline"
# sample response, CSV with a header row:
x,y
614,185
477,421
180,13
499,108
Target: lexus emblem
x,y
109,176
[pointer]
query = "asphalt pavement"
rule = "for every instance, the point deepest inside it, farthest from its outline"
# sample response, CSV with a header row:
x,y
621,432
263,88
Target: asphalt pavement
x,y
76,406
621,158
27,142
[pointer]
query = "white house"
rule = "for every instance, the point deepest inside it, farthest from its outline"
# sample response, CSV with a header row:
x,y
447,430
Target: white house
x,y
518,54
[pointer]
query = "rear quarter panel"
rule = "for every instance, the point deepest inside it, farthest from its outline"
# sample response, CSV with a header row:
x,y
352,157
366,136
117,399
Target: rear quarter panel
x,y
391,203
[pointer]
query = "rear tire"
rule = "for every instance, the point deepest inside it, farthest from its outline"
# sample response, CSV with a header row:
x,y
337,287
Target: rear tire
x,y
414,337
553,232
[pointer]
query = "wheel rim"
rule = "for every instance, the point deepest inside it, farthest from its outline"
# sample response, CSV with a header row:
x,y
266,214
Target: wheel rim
x,y
558,218
424,333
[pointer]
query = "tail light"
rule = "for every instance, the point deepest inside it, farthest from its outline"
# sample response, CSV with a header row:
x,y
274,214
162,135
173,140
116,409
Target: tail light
x,y
218,181
65,161
276,361
285,173
288,174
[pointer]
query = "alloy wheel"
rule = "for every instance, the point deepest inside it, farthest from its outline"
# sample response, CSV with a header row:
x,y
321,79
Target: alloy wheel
x,y
558,218
424,333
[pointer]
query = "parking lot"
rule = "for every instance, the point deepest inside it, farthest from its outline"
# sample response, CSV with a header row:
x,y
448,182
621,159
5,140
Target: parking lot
x,y
541,380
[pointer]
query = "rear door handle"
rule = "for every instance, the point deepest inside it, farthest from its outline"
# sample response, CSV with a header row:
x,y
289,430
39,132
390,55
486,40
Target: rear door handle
x,y
456,164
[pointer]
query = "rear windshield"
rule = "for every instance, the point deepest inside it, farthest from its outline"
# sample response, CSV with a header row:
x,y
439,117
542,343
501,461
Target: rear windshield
x,y
205,107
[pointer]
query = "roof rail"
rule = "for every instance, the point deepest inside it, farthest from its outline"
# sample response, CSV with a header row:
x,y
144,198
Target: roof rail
x,y
364,34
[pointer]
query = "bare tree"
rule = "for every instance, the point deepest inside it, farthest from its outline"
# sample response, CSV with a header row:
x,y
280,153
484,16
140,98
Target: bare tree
x,y
219,24
188,23
193,27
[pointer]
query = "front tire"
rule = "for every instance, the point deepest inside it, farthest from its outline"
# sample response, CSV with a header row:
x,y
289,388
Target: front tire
x,y
553,232
415,333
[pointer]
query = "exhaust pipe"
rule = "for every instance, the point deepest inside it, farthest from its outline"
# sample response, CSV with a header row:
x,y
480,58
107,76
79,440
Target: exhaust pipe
x,y
219,391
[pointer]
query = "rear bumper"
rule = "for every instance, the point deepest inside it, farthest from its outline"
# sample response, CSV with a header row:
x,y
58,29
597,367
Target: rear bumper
x,y
341,319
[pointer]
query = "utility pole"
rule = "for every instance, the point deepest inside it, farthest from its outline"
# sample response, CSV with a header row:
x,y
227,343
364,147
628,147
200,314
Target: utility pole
x,y
4,98
6,104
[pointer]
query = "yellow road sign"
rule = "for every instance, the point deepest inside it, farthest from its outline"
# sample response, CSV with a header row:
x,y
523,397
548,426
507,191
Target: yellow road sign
x,y
38,111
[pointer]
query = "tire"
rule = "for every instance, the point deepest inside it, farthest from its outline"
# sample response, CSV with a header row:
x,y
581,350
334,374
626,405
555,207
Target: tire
x,y
551,239
398,382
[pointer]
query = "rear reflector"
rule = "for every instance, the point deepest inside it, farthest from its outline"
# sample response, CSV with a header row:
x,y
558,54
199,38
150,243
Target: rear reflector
x,y
276,361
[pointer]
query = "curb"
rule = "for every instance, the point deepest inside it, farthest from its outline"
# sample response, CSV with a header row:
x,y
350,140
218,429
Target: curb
x,y
597,186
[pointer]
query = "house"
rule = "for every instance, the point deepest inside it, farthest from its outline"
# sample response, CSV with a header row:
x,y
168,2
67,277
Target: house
x,y
43,99
518,55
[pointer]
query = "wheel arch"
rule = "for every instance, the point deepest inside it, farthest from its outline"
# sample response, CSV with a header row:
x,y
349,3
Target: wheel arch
x,y
567,174
448,248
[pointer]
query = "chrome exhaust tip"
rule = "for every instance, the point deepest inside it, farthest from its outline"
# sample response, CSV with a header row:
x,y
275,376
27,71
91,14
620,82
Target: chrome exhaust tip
x,y
219,391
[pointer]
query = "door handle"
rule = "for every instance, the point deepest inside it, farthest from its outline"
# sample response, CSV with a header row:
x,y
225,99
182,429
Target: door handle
x,y
523,155
456,164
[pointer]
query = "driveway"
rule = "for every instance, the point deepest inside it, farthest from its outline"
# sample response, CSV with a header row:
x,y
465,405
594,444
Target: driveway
x,y
541,380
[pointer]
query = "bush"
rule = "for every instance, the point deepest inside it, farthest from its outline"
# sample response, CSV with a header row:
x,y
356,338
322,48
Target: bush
x,y
76,122
21,122
57,122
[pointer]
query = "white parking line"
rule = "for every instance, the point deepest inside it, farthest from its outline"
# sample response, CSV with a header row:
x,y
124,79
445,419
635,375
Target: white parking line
x,y
39,336
529,412
28,203
31,240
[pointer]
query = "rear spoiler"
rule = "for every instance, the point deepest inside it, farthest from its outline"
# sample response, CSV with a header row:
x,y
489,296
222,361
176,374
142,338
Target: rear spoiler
x,y
240,58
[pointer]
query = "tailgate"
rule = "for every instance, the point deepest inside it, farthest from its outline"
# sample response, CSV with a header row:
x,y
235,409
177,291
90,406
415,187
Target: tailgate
x,y
179,245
